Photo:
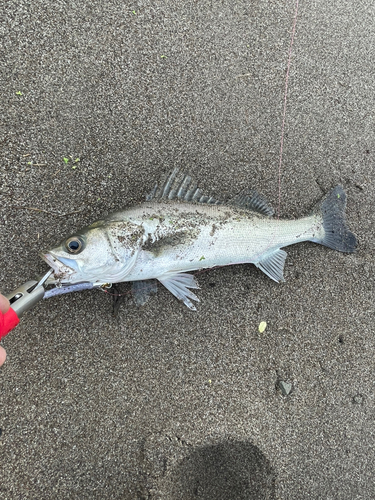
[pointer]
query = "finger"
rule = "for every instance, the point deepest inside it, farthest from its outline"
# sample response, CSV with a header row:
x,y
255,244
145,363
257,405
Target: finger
x,y
4,304
3,355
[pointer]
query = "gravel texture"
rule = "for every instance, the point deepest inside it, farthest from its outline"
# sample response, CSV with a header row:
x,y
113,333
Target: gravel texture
x,y
160,402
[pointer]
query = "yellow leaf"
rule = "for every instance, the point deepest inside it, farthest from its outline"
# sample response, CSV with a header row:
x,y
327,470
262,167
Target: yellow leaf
x,y
262,326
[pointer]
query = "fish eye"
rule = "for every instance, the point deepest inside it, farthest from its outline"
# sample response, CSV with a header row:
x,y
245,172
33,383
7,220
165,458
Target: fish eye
x,y
74,244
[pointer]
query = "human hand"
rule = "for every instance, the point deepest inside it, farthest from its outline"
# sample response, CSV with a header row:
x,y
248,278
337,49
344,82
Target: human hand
x,y
4,307
3,355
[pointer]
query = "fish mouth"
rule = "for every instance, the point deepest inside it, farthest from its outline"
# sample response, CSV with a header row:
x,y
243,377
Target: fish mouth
x,y
62,272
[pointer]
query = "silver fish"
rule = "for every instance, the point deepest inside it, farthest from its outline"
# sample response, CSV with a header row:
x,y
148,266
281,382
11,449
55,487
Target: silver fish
x,y
178,230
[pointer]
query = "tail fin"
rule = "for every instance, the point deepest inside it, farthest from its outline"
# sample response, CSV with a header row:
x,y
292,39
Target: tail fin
x,y
337,235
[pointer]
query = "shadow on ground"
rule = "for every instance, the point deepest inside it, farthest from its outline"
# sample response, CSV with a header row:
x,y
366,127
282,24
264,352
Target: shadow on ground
x,y
228,470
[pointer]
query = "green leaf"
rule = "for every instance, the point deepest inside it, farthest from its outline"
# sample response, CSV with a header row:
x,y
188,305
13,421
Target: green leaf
x,y
134,12
19,93
66,160
77,160
163,57
202,258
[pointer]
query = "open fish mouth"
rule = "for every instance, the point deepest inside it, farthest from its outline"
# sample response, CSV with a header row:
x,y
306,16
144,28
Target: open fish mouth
x,y
62,272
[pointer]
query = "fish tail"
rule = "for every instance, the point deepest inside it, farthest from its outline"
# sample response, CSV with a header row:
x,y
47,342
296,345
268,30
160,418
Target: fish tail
x,y
336,233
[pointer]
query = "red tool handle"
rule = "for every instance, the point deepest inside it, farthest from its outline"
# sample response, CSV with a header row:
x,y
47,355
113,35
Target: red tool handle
x,y
7,322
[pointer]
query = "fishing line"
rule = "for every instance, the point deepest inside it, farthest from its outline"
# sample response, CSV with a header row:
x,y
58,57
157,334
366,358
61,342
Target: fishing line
x,y
285,100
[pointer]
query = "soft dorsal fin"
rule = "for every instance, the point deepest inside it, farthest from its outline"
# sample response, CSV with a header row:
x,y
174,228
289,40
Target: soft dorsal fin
x,y
179,186
252,200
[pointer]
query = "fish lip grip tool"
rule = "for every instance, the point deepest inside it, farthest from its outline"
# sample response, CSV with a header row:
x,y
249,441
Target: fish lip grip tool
x,y
21,300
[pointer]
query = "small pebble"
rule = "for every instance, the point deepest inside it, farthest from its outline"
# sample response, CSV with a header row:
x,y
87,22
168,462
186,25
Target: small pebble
x,y
285,387
358,399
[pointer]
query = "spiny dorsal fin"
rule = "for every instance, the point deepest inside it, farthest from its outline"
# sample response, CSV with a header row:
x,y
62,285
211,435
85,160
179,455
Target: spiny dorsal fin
x,y
251,200
179,186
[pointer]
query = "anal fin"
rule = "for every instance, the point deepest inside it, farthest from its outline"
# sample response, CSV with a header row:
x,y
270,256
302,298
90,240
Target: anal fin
x,y
179,284
273,265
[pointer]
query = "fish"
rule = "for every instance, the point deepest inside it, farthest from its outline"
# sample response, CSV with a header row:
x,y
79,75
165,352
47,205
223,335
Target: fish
x,y
178,230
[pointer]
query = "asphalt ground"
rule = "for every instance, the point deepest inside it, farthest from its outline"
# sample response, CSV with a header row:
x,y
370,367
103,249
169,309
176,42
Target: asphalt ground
x,y
160,402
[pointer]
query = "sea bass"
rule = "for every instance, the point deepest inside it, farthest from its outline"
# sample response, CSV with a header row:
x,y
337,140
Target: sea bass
x,y
178,230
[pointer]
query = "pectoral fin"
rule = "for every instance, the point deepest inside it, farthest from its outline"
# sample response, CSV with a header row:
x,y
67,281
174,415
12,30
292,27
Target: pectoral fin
x,y
273,265
179,284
